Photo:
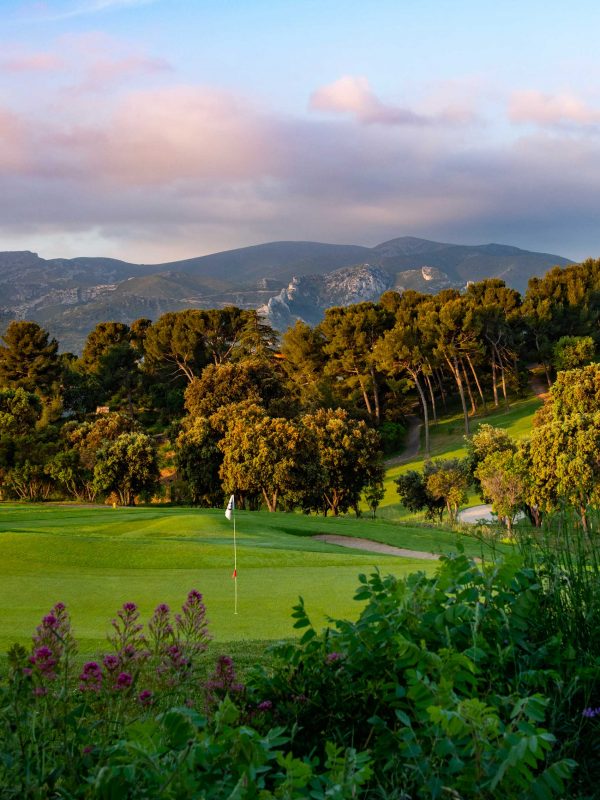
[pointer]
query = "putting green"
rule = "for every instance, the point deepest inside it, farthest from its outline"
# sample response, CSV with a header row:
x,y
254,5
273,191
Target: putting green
x,y
94,559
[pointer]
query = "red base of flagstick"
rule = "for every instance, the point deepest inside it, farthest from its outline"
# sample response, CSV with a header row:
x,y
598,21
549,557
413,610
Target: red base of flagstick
x,y
234,573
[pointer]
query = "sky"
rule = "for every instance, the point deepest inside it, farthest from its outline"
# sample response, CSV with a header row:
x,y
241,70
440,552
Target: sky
x,y
155,130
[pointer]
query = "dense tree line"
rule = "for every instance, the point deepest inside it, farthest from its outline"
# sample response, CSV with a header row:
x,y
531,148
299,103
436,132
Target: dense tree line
x,y
295,422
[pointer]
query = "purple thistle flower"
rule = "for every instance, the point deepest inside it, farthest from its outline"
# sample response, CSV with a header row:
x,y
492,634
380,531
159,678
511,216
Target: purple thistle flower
x,y
145,697
90,678
266,705
110,662
128,640
124,680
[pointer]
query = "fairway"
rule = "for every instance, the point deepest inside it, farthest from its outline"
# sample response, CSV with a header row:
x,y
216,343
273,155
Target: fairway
x,y
94,559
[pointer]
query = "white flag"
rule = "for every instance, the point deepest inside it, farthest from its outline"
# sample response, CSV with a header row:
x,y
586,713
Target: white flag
x,y
229,509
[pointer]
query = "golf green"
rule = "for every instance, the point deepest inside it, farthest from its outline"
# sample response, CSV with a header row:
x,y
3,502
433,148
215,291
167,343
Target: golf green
x,y
95,558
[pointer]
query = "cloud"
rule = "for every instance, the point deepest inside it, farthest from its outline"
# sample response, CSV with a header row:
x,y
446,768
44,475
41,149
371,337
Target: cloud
x,y
551,109
102,73
13,148
353,95
32,62
86,8
186,169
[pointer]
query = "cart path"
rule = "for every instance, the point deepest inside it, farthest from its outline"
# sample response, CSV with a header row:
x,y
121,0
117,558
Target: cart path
x,y
412,444
375,547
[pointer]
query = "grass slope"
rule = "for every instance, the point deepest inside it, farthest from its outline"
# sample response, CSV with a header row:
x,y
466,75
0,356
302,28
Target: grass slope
x,y
447,441
94,559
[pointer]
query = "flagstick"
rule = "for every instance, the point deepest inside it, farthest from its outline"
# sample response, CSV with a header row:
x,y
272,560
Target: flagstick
x,y
235,563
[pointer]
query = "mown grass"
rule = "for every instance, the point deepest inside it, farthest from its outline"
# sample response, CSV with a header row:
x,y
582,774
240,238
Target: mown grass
x,y
94,559
447,441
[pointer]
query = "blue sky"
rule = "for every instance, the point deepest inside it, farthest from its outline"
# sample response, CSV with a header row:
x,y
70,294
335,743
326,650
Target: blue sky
x,y
159,130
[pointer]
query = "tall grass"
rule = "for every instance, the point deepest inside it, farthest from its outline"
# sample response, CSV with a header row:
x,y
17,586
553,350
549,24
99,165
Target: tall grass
x,y
567,561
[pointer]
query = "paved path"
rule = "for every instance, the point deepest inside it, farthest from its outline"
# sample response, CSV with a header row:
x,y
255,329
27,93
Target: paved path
x,y
412,444
374,547
475,513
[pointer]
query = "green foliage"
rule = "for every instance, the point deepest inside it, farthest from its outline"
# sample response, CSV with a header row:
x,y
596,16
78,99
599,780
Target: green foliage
x,y
271,456
28,359
198,461
127,467
564,448
437,678
414,495
503,476
349,457
447,480
571,352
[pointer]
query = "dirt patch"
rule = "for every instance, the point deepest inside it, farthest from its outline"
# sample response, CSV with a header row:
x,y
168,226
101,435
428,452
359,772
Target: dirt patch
x,y
374,547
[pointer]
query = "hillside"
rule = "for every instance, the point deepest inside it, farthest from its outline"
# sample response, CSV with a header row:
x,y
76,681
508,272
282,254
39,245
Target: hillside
x,y
286,280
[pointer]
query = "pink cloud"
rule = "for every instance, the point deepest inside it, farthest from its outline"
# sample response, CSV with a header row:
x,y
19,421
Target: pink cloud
x,y
104,72
181,133
13,150
32,62
353,95
545,109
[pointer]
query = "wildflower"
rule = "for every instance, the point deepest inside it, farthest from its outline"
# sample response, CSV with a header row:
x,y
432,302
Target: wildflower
x,y
160,628
40,691
192,625
331,658
590,712
145,697
124,680
266,705
110,662
90,678
223,681
128,640
44,662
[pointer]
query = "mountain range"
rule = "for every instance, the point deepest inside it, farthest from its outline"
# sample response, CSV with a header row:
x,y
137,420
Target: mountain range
x,y
285,280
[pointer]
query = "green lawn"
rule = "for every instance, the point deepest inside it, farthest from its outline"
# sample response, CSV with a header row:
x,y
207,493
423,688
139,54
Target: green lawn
x,y
447,440
94,559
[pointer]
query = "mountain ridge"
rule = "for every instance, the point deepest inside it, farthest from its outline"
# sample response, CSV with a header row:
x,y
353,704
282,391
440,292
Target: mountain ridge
x,y
69,296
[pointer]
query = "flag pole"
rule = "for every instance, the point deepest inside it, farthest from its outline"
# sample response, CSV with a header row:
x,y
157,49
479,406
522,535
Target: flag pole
x,y
229,513
235,604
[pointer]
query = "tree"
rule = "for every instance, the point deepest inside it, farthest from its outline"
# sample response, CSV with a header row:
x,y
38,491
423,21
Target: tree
x,y
349,453
304,363
19,411
223,384
198,460
414,495
271,455
448,480
374,494
350,335
28,359
127,466
503,478
175,343
571,352
402,349
486,441
565,465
